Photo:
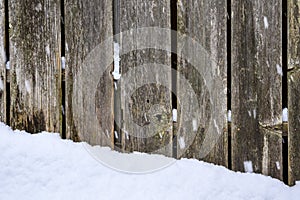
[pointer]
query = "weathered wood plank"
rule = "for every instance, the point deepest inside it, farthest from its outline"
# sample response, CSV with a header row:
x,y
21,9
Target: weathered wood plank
x,y
204,22
2,65
35,64
256,86
294,89
89,84
147,123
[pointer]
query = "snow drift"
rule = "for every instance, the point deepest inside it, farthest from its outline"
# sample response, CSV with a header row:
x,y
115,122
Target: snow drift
x,y
43,166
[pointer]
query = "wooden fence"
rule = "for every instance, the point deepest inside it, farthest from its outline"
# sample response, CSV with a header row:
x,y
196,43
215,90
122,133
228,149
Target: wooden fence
x,y
254,45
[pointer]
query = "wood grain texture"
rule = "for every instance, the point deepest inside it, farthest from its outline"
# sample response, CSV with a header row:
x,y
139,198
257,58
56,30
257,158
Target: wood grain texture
x,y
35,65
89,84
257,86
204,22
294,89
147,124
2,65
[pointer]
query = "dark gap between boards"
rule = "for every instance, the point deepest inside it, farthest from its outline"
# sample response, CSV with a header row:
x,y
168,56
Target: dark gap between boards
x,y
229,79
7,54
173,8
285,87
63,82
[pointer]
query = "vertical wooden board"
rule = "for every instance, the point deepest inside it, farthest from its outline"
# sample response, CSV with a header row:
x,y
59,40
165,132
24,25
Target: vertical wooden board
x,y
147,124
294,89
256,86
35,64
2,65
204,22
128,22
89,84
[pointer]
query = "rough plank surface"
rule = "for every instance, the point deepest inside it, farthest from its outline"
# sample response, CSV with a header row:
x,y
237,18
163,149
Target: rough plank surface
x,y
89,84
146,91
2,65
294,89
256,86
35,65
202,134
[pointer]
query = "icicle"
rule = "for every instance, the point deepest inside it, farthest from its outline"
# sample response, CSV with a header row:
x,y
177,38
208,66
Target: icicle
x,y
47,49
63,62
116,73
181,143
278,165
27,86
1,85
248,166
266,23
7,65
229,115
145,116
107,134
127,135
63,110
279,70
174,112
195,125
160,135
285,115
254,113
116,135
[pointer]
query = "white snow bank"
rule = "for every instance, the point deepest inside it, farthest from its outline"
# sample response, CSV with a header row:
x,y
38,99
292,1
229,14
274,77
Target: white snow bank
x,y
45,167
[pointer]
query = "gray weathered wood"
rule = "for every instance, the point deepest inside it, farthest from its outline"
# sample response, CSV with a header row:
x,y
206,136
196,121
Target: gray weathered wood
x,y
294,89
2,65
89,84
35,64
147,125
204,22
256,86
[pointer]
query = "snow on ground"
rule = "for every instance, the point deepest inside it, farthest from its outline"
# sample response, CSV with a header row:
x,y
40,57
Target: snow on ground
x,y
43,166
